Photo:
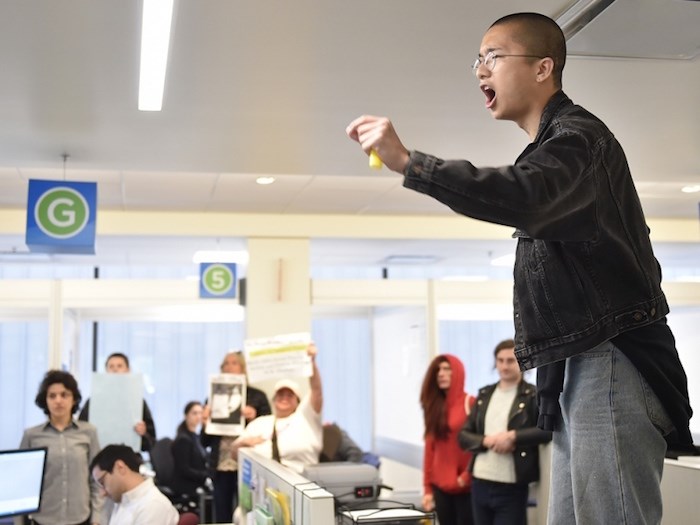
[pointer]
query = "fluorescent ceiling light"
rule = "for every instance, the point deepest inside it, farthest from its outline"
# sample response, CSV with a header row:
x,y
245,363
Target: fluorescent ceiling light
x,y
687,279
155,41
265,180
410,259
14,256
580,14
219,311
221,256
505,260
691,189
475,312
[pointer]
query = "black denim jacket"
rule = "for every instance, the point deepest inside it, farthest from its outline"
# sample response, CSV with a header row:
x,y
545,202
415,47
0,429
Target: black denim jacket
x,y
584,269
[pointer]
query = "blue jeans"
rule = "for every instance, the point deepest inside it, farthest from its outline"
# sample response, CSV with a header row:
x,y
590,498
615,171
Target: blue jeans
x,y
499,503
608,450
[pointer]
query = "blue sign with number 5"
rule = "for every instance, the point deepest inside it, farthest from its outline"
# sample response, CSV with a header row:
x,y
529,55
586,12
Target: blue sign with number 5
x,y
217,280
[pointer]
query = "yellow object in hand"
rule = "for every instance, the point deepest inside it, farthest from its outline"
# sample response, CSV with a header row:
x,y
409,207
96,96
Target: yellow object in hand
x,y
374,160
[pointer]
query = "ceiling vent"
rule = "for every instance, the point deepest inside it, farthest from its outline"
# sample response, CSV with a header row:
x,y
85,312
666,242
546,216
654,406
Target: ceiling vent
x,y
656,29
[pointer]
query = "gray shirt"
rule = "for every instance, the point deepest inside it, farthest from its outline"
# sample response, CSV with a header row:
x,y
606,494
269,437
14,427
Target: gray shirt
x,y
69,494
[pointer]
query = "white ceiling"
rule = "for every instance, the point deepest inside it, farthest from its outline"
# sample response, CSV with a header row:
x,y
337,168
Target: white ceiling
x,y
266,88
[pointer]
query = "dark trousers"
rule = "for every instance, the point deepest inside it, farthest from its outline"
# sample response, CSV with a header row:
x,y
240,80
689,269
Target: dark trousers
x,y
499,503
225,495
453,509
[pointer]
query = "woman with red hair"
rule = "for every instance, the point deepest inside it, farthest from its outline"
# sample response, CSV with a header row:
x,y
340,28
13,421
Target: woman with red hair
x,y
446,477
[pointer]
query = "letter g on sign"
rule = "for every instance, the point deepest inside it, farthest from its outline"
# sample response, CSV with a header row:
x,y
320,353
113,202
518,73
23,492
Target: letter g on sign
x,y
61,212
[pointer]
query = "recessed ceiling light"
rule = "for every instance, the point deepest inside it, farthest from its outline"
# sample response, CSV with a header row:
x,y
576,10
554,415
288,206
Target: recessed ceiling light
x,y
691,189
265,180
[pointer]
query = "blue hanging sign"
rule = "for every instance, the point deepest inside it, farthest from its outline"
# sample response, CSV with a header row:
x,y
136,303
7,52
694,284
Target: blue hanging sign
x,y
61,216
217,281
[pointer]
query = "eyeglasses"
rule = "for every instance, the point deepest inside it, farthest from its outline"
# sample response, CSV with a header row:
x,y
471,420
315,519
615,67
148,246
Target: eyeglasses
x,y
101,479
490,60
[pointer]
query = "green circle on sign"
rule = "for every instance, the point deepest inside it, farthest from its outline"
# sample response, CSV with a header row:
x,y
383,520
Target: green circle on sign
x,y
217,279
61,212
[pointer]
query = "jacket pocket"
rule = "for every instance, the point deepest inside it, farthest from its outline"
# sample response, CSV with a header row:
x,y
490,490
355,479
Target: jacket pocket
x,y
553,288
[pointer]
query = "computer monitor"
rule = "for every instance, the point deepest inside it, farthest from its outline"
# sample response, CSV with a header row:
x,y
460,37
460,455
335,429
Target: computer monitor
x,y
21,480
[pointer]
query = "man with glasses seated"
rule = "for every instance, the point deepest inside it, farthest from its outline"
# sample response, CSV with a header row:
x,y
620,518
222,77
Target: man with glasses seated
x,y
137,500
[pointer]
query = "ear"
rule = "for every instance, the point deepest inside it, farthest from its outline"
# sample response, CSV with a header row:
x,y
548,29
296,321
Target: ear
x,y
545,69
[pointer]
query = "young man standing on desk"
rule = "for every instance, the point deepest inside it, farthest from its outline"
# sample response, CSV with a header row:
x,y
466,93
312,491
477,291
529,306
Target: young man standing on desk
x,y
589,311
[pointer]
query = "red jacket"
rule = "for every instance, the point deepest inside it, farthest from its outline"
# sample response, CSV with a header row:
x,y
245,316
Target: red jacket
x,y
443,459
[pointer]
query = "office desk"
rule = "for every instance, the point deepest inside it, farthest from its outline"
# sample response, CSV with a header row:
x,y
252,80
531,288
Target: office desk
x,y
679,491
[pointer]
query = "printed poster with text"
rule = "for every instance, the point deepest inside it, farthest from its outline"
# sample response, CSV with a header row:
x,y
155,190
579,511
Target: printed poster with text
x,y
280,356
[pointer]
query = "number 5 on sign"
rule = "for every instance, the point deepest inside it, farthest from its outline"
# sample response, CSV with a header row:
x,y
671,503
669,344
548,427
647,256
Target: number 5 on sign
x,y
217,281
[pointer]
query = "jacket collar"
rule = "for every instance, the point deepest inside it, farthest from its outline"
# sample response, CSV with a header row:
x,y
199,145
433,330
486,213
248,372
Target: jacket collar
x,y
555,103
524,388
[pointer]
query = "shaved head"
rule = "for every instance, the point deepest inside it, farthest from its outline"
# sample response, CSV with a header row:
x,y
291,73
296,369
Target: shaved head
x,y
539,35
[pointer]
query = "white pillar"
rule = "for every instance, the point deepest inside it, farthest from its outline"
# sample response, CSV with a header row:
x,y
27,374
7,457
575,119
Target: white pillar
x,y
278,289
55,325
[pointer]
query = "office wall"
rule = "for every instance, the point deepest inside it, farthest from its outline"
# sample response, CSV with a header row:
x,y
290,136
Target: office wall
x,y
684,322
400,360
22,366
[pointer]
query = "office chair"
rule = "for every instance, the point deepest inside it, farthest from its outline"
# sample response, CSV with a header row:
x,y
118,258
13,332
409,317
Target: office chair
x,y
332,436
164,466
188,518
163,463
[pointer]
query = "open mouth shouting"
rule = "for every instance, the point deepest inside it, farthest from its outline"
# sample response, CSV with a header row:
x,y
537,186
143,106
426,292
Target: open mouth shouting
x,y
490,95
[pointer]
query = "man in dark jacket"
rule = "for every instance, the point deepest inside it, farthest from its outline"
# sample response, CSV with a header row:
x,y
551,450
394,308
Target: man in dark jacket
x,y
589,311
502,433
118,363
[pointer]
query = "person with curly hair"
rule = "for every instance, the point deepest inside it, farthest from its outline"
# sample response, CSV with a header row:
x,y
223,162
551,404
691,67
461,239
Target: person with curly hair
x,y
68,496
